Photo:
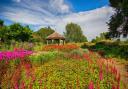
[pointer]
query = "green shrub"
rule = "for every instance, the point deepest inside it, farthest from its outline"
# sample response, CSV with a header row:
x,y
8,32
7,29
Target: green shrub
x,y
115,49
44,57
77,52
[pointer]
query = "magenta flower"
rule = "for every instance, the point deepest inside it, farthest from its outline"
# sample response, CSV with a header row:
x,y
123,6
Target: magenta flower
x,y
91,85
16,86
16,54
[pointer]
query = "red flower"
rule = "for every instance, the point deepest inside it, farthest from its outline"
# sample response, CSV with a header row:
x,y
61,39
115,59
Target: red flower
x,y
113,87
91,85
101,74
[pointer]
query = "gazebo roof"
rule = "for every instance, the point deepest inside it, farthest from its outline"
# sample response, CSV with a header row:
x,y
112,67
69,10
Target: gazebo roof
x,y
55,35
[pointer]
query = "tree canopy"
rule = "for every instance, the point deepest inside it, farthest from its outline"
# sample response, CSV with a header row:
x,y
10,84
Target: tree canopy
x,y
1,23
41,34
15,32
20,33
103,36
74,33
118,24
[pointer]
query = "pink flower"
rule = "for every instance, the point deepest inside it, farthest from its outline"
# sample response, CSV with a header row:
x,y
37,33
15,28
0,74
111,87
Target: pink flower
x,y
16,86
118,78
101,74
23,85
118,86
113,87
91,85
40,82
16,54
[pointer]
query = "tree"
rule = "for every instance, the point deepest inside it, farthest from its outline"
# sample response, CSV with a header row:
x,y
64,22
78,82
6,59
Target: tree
x,y
41,34
1,23
4,34
20,33
118,24
74,33
103,36
15,32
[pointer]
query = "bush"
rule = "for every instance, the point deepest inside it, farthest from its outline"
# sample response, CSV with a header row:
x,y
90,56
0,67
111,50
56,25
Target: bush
x,y
110,49
76,52
44,57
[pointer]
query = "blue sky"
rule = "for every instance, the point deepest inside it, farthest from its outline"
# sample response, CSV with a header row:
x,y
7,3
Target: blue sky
x,y
84,5
91,15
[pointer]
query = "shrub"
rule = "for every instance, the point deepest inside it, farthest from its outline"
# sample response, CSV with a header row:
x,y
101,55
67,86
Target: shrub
x,y
44,57
110,49
76,52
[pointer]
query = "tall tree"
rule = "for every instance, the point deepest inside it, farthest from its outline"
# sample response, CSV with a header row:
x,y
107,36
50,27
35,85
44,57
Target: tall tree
x,y
41,34
103,36
1,23
118,23
20,33
15,32
74,33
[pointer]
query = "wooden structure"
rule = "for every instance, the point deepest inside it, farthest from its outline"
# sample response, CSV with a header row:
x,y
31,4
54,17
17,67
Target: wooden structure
x,y
55,38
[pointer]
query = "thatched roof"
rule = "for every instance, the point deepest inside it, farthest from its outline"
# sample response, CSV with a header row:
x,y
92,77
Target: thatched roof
x,y
55,35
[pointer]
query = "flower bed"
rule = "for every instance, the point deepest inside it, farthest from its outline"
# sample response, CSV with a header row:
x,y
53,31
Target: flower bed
x,y
68,47
16,54
59,72
10,61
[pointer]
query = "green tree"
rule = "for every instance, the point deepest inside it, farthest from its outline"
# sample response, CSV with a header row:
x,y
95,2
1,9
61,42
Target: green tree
x,y
20,33
4,34
118,23
41,34
74,33
15,32
1,23
103,36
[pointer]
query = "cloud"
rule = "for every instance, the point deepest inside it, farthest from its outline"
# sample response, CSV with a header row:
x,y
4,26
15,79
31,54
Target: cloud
x,y
57,13
16,0
92,22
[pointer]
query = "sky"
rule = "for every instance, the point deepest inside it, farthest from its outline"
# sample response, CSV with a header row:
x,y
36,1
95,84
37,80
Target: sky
x,y
91,15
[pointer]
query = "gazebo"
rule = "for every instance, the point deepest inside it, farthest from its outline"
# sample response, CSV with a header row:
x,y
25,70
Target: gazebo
x,y
55,38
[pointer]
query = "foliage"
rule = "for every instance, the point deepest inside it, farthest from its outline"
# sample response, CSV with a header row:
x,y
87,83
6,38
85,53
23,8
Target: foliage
x,y
9,61
115,21
77,54
74,33
54,71
15,32
18,33
44,57
87,45
41,34
119,19
111,49
63,73
1,23
103,36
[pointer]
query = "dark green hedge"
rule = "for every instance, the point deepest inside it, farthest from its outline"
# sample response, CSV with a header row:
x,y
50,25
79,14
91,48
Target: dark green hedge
x,y
110,49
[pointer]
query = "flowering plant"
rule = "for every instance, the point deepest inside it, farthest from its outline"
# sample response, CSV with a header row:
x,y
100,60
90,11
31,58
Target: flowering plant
x,y
67,47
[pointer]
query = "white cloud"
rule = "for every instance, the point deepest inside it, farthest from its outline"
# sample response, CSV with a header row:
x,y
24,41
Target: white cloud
x,y
57,13
60,6
92,22
17,0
